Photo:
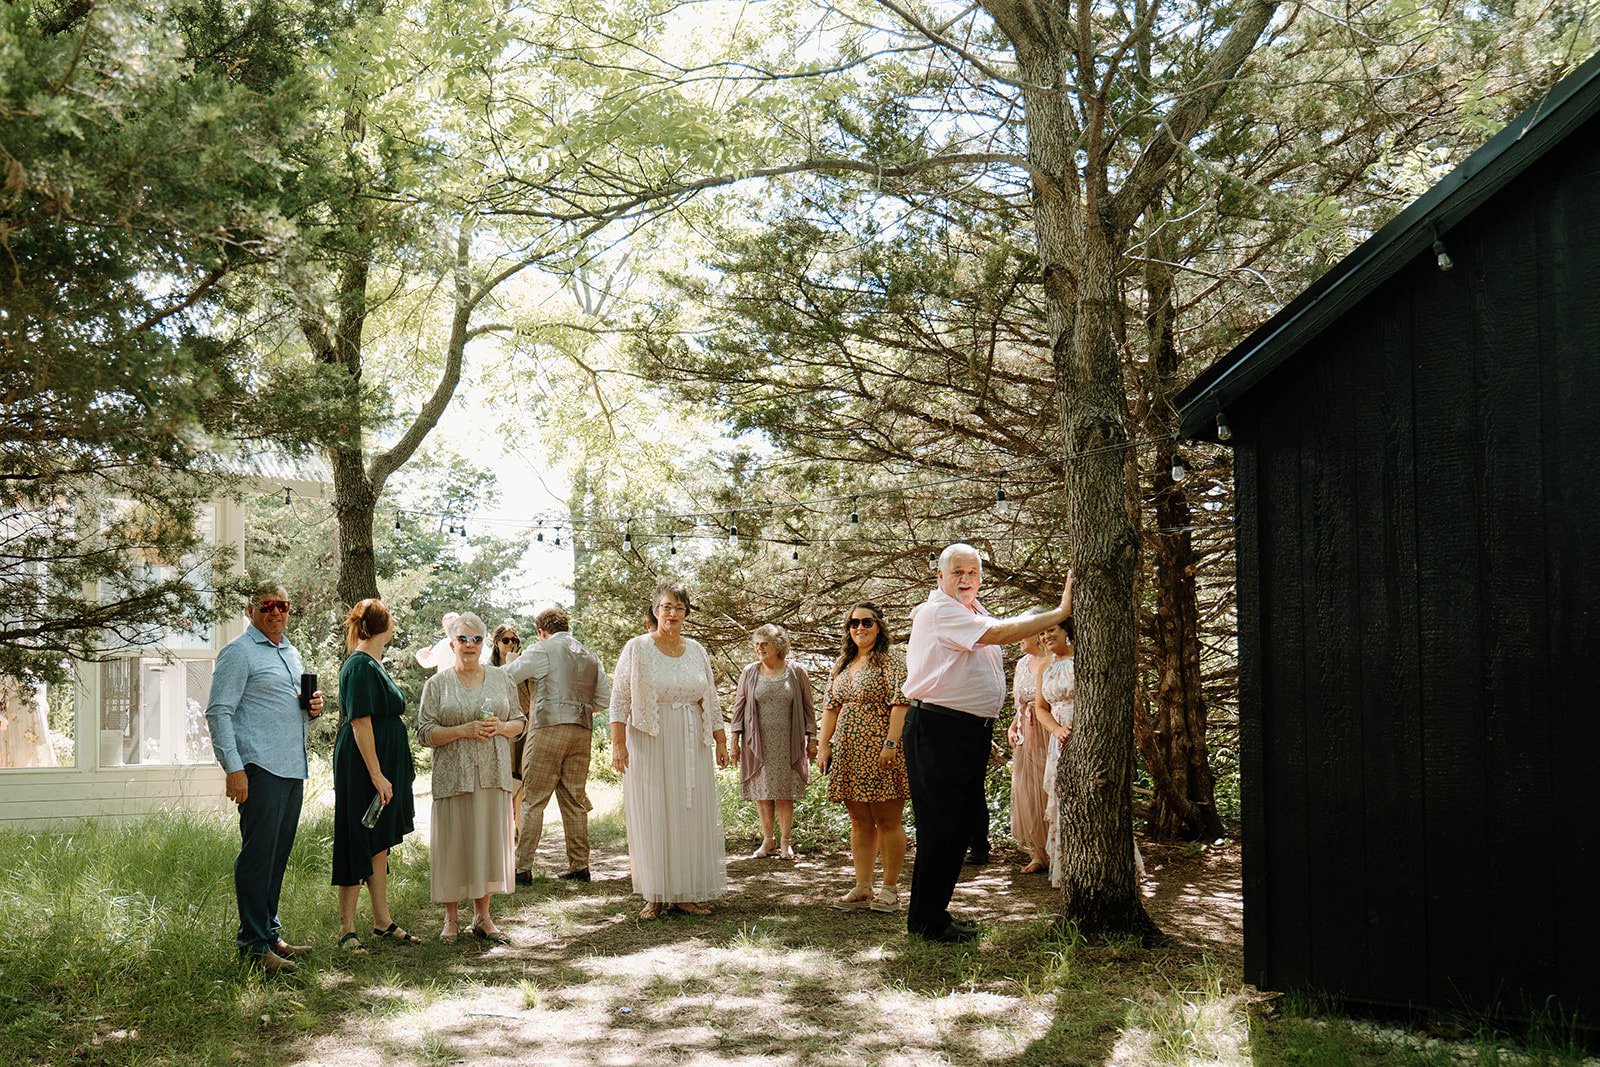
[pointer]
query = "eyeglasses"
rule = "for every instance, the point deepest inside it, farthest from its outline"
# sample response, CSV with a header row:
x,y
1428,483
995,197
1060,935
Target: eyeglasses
x,y
267,606
671,609
509,640
861,623
470,639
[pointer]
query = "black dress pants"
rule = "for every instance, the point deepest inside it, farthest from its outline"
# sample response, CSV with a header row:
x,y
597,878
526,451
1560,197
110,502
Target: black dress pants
x,y
947,753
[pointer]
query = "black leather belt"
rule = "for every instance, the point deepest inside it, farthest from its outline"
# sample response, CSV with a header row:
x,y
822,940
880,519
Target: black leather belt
x,y
940,709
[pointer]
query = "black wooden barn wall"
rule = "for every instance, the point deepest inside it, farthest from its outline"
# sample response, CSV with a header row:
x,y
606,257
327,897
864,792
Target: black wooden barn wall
x,y
1419,580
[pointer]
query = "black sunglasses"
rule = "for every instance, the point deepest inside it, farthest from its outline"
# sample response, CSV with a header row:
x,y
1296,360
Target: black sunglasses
x,y
510,639
856,623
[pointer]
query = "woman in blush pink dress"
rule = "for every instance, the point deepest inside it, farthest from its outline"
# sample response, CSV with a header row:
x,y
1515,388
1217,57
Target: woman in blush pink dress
x,y
1028,751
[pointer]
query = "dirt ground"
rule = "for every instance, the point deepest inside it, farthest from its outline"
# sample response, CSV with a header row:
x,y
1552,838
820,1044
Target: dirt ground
x,y
776,976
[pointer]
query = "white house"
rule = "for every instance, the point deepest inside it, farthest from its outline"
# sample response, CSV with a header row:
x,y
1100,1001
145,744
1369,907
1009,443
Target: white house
x,y
139,741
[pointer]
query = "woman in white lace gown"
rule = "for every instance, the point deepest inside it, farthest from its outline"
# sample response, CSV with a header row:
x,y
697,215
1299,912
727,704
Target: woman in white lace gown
x,y
1056,690
1053,708
665,723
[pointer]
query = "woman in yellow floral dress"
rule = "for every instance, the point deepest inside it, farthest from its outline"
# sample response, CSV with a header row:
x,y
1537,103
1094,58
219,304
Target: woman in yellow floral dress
x,y
860,752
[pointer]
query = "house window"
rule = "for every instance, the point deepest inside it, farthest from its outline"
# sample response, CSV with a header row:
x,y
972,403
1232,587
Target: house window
x,y
153,711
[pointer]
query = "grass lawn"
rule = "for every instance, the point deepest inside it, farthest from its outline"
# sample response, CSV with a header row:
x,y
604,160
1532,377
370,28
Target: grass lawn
x,y
116,947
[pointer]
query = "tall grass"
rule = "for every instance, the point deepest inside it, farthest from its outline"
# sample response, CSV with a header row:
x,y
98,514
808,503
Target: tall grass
x,y
117,940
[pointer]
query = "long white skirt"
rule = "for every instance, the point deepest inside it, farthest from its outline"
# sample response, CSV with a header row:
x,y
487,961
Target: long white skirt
x,y
669,799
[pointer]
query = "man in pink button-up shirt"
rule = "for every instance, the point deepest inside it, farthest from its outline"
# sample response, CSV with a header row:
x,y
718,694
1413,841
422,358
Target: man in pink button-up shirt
x,y
956,682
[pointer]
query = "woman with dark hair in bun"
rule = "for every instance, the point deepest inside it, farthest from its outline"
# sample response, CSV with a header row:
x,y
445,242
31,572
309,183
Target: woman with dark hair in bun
x,y
371,761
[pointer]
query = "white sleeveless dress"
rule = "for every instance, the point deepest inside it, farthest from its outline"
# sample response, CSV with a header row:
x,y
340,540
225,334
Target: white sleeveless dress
x,y
1059,687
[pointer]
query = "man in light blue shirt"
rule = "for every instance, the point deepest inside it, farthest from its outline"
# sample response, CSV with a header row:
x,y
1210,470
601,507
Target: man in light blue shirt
x,y
258,731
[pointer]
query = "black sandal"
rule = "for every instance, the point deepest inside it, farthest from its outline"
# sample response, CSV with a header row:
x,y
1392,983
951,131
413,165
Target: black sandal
x,y
357,949
397,935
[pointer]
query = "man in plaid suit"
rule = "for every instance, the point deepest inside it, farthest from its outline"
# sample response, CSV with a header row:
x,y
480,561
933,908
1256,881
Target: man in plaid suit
x,y
572,686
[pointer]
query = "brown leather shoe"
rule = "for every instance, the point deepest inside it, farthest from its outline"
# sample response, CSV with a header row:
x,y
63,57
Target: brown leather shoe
x,y
289,952
271,963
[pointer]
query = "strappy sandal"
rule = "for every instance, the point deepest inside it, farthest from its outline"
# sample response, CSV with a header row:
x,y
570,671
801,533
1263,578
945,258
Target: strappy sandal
x,y
651,910
397,935
494,937
853,900
1035,866
886,900
352,945
449,936
690,908
766,851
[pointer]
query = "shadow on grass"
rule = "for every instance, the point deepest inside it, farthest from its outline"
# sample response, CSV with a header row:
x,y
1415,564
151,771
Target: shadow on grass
x,y
116,945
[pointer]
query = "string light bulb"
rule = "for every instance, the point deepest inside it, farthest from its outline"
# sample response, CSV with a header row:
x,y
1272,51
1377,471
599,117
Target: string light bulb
x,y
627,537
1179,471
855,516
397,522
733,535
1224,431
286,492
558,537
1002,506
672,544
1440,254
539,537
794,553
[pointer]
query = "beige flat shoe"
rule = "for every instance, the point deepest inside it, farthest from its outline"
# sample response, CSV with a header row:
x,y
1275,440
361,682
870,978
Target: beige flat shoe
x,y
886,900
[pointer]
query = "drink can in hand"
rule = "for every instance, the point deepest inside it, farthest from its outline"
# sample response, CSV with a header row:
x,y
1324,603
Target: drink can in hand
x,y
308,687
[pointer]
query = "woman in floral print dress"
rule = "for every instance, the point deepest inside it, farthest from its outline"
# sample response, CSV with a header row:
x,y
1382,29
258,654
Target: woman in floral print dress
x,y
860,752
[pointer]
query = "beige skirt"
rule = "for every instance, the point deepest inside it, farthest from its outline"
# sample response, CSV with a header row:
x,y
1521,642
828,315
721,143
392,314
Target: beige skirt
x,y
469,846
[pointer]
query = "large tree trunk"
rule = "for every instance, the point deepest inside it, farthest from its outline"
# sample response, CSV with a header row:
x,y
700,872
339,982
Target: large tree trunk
x,y
338,341
354,500
1082,228
1095,779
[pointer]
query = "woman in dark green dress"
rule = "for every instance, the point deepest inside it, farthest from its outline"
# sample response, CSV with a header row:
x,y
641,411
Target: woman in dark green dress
x,y
371,758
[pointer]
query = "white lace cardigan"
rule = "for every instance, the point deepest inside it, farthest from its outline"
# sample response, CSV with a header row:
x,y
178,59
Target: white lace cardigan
x,y
635,701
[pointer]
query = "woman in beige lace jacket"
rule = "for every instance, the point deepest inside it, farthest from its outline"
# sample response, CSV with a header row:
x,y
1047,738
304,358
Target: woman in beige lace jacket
x,y
470,716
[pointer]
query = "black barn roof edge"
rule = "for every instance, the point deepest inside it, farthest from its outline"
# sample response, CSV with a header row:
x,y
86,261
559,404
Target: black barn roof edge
x,y
1566,106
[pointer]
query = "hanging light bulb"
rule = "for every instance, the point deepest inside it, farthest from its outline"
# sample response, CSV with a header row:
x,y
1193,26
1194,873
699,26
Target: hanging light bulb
x,y
627,537
933,560
733,535
855,516
1440,255
397,522
1224,431
539,537
1001,504
794,554
462,529
558,537
1179,471
286,492
672,544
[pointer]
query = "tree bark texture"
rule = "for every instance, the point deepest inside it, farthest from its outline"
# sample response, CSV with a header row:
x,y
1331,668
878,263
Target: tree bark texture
x,y
1083,226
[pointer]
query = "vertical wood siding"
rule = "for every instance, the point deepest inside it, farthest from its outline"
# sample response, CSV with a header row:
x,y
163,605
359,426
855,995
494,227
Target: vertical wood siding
x,y
1419,566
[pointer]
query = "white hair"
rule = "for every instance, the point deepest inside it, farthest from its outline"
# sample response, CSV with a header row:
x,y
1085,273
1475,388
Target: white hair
x,y
466,621
960,548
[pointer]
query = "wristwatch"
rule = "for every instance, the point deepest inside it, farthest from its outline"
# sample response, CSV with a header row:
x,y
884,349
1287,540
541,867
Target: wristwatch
x,y
889,742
